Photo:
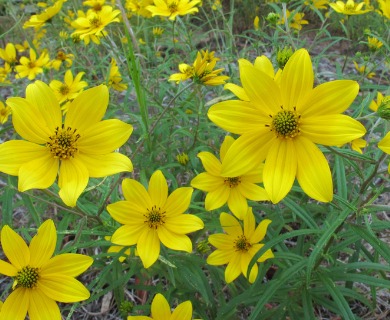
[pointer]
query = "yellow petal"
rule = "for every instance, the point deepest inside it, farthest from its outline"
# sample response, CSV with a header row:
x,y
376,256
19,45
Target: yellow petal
x,y
237,203
43,244
105,164
260,231
39,173
238,116
384,144
252,191
233,269
15,306
313,171
211,164
296,80
184,223
222,241
126,213
136,194
262,90
183,311
72,180
67,264
247,152
264,64
28,121
15,153
220,257
332,130
249,224
230,225
104,137
42,307
217,198
14,248
178,201
87,108
128,235
63,288
160,308
42,97
238,91
332,97
148,247
158,189
280,169
207,182
226,144
7,269
173,240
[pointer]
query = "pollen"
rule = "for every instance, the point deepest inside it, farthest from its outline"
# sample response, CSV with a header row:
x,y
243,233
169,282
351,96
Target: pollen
x,y
154,217
63,143
285,123
242,244
27,277
232,182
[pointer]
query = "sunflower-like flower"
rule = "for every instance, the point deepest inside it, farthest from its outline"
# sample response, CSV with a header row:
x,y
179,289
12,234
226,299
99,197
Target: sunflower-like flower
x,y
69,89
150,216
91,26
233,190
349,7
62,57
96,5
282,122
36,21
173,8
9,54
30,67
201,71
374,44
80,147
384,145
239,245
40,279
5,112
363,70
115,77
139,7
160,310
296,20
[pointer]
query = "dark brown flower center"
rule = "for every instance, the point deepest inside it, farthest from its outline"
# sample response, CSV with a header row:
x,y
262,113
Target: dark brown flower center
x,y
242,244
27,277
63,143
285,123
154,217
232,182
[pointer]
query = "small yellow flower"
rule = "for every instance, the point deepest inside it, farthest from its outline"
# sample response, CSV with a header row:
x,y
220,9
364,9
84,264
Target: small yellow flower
x,y
139,7
318,4
5,112
358,145
160,310
349,8
217,5
296,21
4,72
22,47
173,8
182,158
362,70
64,35
39,278
141,41
151,216
239,245
256,23
60,58
9,54
97,5
36,21
115,77
157,31
374,44
30,67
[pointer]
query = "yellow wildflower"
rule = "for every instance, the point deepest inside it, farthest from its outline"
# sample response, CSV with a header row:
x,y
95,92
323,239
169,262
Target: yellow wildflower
x,y
349,8
5,112
115,77
362,70
139,7
36,21
173,8
374,44
295,21
9,54
60,58
30,67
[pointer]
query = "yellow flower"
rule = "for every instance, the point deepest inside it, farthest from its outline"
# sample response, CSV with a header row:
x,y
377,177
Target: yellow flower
x,y
92,25
150,216
234,190
139,7
40,279
80,147
117,249
115,77
374,104
256,23
5,112
9,54
70,88
239,245
296,21
384,6
62,57
97,5
318,4
173,8
384,145
362,71
4,72
22,47
160,310
30,67
217,5
374,44
183,158
282,122
358,145
349,8
202,71
36,21
157,31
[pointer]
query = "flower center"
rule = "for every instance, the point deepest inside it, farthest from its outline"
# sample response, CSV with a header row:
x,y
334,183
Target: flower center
x,y
64,89
95,22
31,65
242,244
61,55
285,123
63,143
172,7
232,182
154,217
27,277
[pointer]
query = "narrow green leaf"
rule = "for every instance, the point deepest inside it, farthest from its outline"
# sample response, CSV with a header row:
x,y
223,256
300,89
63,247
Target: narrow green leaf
x,y
341,180
300,212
